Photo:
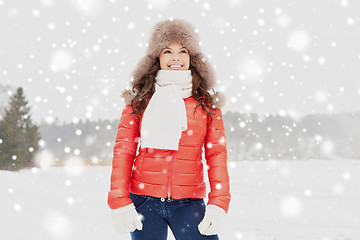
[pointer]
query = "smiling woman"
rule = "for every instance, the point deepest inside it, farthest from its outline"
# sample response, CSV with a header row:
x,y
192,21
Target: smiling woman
x,y
174,57
174,116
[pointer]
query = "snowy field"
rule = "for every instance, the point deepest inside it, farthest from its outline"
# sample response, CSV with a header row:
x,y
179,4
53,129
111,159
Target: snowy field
x,y
273,200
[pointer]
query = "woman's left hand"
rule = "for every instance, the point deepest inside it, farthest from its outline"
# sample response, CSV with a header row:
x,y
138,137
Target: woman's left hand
x,y
213,220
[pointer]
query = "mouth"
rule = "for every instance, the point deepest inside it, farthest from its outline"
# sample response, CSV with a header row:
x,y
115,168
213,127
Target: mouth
x,y
175,66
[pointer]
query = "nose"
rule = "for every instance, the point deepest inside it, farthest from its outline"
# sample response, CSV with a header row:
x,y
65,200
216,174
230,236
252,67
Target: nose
x,y
175,57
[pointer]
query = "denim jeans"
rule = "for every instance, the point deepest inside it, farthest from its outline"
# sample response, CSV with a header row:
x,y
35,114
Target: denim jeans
x,y
181,215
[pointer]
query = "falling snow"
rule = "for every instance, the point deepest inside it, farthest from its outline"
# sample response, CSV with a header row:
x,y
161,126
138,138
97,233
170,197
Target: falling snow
x,y
74,66
286,58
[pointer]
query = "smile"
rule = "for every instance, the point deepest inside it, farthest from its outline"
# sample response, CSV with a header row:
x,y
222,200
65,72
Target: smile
x,y
175,66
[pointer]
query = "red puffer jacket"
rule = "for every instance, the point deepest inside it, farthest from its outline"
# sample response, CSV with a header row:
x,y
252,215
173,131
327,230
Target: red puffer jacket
x,y
168,173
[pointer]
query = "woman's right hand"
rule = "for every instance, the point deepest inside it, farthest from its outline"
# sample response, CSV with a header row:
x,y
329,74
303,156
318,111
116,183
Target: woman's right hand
x,y
126,219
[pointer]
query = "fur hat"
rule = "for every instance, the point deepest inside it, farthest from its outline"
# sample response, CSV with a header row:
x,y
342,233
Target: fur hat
x,y
181,31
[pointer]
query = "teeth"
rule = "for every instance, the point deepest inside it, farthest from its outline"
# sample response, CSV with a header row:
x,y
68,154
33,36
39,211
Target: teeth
x,y
175,66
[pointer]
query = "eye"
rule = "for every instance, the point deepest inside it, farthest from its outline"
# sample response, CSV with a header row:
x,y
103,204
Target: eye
x,y
167,51
184,51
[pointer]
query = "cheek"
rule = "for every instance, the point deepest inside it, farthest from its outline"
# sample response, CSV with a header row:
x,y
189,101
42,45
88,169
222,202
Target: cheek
x,y
162,60
187,61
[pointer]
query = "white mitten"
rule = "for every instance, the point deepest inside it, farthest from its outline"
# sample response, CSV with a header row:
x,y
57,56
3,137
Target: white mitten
x,y
213,220
126,219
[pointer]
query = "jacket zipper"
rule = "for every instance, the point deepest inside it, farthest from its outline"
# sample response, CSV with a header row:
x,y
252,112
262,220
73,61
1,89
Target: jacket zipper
x,y
170,175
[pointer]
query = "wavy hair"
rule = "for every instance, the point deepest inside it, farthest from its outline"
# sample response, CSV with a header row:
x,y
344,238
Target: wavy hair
x,y
146,87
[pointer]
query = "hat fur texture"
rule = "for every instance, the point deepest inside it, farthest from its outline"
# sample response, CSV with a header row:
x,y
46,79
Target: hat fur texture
x,y
181,31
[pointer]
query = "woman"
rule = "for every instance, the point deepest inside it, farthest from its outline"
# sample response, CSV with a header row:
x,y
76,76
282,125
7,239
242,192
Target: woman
x,y
170,112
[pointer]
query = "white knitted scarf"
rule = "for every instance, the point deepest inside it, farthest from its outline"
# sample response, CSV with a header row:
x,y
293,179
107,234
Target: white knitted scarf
x,y
165,115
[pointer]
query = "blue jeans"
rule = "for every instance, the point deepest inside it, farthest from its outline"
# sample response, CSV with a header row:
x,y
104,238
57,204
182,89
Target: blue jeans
x,y
181,215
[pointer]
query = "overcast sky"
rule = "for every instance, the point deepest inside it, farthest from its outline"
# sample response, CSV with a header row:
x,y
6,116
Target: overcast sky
x,y
73,57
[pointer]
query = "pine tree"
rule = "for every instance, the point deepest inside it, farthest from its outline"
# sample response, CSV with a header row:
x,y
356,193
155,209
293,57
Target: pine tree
x,y
19,137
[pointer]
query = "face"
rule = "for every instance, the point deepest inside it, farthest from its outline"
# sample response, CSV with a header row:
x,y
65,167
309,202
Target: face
x,y
174,57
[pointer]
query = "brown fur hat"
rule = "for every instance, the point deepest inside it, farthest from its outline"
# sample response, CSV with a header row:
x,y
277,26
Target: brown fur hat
x,y
181,31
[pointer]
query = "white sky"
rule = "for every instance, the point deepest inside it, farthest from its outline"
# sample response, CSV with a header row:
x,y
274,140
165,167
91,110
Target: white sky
x,y
73,58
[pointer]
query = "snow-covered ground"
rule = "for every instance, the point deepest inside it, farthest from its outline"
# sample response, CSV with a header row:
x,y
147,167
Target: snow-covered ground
x,y
272,200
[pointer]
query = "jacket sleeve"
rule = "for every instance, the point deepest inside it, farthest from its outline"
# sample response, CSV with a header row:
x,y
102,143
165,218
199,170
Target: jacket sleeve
x,y
216,160
124,153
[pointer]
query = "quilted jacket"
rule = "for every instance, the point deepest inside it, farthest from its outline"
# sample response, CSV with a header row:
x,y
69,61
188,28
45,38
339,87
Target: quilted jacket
x,y
169,173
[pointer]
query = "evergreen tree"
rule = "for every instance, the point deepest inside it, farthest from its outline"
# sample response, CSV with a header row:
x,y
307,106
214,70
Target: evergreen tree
x,y
19,137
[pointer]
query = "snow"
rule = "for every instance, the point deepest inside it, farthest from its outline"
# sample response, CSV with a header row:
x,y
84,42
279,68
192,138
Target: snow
x,y
76,64
271,200
298,41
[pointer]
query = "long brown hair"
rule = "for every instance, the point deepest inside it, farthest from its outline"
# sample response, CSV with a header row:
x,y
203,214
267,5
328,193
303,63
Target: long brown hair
x,y
146,87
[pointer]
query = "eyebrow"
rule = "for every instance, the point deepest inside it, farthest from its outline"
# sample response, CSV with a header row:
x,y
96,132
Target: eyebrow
x,y
172,49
